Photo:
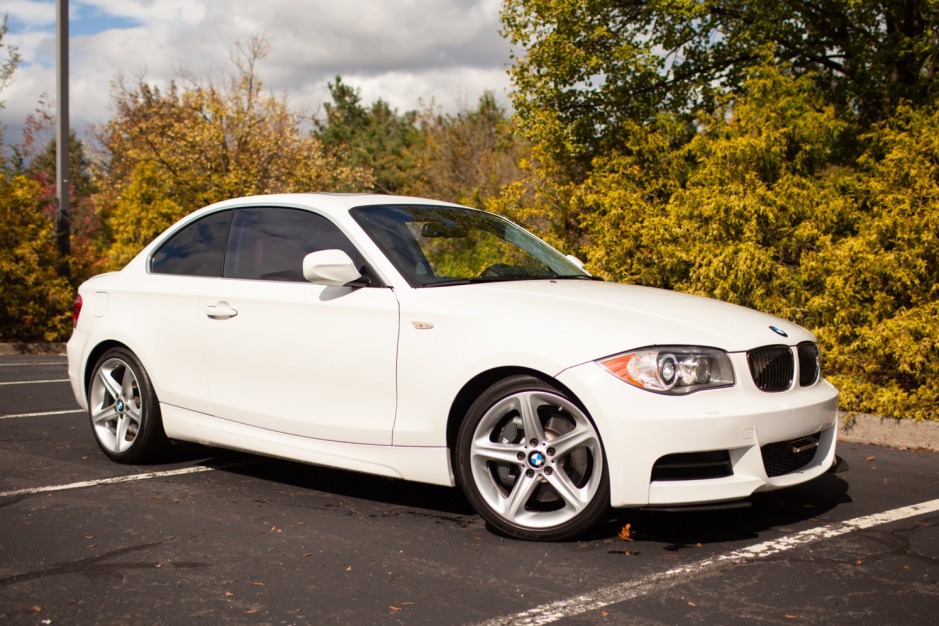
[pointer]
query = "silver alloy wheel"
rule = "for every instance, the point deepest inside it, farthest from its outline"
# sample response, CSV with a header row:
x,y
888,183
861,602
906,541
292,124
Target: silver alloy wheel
x,y
536,459
116,405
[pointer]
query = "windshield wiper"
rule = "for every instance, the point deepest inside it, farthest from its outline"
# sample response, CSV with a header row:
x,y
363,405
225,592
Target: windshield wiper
x,y
577,277
475,280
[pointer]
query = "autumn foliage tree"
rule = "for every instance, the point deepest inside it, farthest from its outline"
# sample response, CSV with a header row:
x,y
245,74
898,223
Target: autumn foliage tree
x,y
168,152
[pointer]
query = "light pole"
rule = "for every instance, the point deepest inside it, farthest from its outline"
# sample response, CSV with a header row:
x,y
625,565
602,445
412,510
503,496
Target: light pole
x,y
62,222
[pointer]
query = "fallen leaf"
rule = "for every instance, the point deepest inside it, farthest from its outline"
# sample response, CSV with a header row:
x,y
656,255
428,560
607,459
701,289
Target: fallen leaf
x,y
625,532
869,459
258,584
692,603
229,594
36,608
788,616
604,614
395,608
858,562
307,554
349,569
249,611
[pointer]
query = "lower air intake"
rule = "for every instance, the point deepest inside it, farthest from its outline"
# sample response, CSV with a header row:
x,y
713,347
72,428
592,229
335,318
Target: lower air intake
x,y
786,457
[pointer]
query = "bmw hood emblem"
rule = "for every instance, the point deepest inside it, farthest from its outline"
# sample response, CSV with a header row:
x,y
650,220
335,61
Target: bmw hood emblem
x,y
779,331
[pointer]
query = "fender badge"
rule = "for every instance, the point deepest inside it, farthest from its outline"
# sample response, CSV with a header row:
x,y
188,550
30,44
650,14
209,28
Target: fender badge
x,y
422,325
779,331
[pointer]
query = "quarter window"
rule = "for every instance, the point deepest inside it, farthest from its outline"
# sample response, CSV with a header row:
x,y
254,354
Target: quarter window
x,y
195,250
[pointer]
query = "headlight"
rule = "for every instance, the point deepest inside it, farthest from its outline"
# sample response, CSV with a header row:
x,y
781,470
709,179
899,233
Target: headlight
x,y
676,370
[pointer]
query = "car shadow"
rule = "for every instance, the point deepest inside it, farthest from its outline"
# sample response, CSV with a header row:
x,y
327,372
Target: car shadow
x,y
337,482
674,531
680,530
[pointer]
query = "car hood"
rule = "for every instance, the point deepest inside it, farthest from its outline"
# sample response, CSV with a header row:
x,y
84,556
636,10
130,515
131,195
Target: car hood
x,y
589,319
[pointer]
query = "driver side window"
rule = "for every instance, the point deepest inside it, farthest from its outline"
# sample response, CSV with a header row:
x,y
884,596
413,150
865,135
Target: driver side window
x,y
270,243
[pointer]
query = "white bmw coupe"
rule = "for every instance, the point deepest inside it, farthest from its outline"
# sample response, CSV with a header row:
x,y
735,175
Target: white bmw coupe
x,y
437,343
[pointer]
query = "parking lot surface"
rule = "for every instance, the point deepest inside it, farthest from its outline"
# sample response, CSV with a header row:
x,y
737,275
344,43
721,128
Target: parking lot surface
x,y
221,537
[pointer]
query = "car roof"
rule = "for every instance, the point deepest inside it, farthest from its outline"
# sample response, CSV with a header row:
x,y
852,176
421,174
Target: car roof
x,y
325,201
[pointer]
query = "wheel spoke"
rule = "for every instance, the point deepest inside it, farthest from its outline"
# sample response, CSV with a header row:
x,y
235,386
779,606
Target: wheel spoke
x,y
120,432
573,497
110,385
485,451
103,415
514,505
128,384
528,408
582,435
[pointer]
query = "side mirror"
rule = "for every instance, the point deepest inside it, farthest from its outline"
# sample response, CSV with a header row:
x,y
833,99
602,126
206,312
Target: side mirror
x,y
329,267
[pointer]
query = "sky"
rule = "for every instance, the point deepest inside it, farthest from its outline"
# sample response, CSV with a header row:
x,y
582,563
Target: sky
x,y
406,52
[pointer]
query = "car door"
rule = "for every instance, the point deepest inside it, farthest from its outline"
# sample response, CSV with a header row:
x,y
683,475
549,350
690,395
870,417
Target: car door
x,y
286,355
163,313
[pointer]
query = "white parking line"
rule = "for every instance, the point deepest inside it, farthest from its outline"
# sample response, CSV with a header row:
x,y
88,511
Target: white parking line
x,y
44,414
110,481
615,594
33,382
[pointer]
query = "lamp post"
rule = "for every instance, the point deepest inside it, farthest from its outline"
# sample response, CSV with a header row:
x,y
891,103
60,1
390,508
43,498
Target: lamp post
x,y
62,222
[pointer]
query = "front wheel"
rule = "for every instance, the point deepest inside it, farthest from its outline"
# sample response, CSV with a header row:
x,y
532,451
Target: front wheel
x,y
531,462
124,411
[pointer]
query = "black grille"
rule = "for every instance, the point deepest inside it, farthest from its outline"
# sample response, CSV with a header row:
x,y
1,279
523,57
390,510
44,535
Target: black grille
x,y
693,466
782,458
808,363
772,367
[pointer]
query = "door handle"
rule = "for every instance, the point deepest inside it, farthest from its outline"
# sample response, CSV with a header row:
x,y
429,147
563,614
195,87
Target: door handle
x,y
221,311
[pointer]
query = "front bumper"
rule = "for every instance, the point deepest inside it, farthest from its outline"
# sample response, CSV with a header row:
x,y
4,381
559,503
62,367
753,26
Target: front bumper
x,y
639,428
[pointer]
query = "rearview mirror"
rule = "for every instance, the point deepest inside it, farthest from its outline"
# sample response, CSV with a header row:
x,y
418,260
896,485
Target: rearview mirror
x,y
442,230
329,267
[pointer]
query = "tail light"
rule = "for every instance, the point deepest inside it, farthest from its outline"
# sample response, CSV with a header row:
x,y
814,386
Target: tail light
x,y
76,309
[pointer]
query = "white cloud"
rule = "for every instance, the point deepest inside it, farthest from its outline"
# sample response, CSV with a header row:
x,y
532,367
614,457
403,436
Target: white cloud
x,y
404,52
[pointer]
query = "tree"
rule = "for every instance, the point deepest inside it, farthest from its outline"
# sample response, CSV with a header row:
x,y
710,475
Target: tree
x,y
36,302
586,68
167,153
8,65
876,304
377,137
467,156
735,212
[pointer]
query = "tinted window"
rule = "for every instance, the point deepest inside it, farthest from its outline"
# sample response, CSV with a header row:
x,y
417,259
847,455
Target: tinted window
x,y
270,243
196,250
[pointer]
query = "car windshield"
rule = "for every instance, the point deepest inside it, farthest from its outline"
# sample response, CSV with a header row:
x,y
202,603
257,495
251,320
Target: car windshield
x,y
434,246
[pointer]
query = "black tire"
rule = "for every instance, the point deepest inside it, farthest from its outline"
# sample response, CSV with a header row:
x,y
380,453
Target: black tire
x,y
124,410
530,461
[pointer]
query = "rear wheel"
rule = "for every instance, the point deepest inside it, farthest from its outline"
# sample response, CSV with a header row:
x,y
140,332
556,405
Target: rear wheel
x,y
124,411
531,462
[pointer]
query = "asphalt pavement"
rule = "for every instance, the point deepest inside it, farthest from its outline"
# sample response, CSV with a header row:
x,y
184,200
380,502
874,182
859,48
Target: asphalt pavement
x,y
218,537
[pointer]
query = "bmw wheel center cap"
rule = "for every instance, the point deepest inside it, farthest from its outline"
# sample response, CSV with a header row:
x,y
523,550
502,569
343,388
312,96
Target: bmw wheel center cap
x,y
536,460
